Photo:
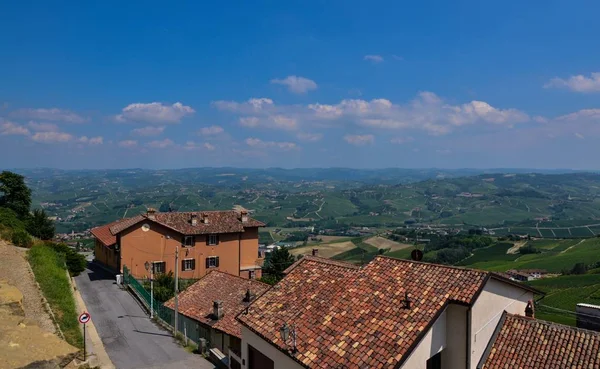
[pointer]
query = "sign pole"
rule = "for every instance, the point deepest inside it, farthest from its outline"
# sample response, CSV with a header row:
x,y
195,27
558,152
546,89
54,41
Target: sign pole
x,y
84,341
152,292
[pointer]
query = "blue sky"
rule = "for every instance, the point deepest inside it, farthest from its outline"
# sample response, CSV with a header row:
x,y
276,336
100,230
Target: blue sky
x,y
300,84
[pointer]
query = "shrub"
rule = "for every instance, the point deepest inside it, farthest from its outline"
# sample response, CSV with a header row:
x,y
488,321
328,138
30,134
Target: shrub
x,y
21,238
75,262
528,249
9,219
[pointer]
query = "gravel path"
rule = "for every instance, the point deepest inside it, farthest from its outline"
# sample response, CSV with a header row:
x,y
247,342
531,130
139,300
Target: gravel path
x,y
15,269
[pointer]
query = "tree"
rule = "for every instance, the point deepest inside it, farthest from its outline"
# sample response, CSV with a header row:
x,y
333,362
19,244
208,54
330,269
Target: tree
x,y
40,226
278,261
14,193
579,268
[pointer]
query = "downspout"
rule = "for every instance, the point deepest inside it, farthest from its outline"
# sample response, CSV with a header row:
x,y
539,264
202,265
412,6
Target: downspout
x,y
468,357
239,254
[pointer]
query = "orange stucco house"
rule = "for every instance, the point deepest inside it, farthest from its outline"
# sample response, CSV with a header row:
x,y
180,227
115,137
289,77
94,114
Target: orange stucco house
x,y
206,240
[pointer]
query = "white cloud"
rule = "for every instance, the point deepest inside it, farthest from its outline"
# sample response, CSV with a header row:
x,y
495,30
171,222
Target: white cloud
x,y
52,137
160,144
426,112
8,128
260,144
99,140
211,131
579,135
584,114
578,83
208,146
156,113
249,121
374,58
43,127
359,140
148,131
297,85
310,137
191,145
402,140
53,114
254,105
128,144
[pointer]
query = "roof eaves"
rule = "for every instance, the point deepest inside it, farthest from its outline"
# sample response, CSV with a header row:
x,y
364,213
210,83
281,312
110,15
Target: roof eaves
x,y
488,348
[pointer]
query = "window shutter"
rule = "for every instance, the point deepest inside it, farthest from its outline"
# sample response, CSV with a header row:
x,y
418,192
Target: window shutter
x,y
183,241
207,262
193,240
217,240
207,239
217,262
183,264
194,264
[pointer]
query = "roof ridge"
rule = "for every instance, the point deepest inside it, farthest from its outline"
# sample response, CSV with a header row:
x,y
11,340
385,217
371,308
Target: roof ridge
x,y
321,260
551,324
434,264
236,276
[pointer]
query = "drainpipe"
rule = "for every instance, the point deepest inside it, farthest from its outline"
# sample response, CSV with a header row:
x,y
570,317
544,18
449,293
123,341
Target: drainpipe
x,y
239,254
468,358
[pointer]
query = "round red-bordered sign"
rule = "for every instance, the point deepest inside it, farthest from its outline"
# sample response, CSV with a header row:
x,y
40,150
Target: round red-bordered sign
x,y
84,318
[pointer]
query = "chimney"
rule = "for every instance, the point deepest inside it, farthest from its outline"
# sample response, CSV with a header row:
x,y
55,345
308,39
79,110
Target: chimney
x,y
315,252
204,218
530,310
244,216
217,310
194,219
151,213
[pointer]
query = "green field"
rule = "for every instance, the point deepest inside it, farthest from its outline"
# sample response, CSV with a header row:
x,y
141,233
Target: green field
x,y
496,252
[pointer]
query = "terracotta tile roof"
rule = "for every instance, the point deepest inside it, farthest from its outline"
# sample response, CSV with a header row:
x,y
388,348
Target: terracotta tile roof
x,y
227,221
356,317
196,301
521,342
322,261
126,223
103,233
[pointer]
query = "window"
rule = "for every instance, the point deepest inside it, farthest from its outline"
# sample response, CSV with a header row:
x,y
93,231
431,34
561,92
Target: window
x,y
188,241
212,262
252,274
212,239
256,360
159,267
188,264
435,362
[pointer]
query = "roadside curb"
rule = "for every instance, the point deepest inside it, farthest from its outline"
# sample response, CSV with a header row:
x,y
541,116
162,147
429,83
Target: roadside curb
x,y
102,358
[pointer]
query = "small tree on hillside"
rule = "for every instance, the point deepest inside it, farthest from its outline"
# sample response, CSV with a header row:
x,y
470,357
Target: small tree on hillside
x,y
14,193
40,226
278,261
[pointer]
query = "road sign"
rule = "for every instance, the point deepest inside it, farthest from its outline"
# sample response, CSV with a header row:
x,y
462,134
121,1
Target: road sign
x,y
84,318
416,255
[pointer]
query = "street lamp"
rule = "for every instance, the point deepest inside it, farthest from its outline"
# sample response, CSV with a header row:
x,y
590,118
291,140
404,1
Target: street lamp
x,y
285,332
150,268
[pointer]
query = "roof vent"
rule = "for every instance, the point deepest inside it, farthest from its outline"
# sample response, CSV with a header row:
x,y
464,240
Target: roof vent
x,y
194,219
151,213
530,310
406,301
217,310
248,296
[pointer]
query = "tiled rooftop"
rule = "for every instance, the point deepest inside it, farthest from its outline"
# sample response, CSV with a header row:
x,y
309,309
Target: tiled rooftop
x,y
197,300
523,342
227,221
356,317
103,233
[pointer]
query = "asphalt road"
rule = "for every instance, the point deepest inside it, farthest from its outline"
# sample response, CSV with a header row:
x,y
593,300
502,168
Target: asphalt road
x,y
130,338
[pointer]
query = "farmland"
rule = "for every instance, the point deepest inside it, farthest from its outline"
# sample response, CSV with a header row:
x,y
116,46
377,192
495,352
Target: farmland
x,y
385,243
326,250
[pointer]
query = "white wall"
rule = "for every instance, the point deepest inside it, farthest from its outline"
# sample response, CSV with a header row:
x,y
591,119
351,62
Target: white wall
x,y
495,298
454,355
281,360
433,342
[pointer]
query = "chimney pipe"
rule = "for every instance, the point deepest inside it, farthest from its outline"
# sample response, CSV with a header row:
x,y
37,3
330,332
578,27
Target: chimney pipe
x,y
194,219
315,252
218,310
530,310
151,213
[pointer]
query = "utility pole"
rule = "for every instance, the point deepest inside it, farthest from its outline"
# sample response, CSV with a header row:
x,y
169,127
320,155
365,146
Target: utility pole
x,y
152,292
176,288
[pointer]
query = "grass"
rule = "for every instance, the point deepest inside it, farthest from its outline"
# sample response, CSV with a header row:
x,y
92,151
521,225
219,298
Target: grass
x,y
496,252
51,274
